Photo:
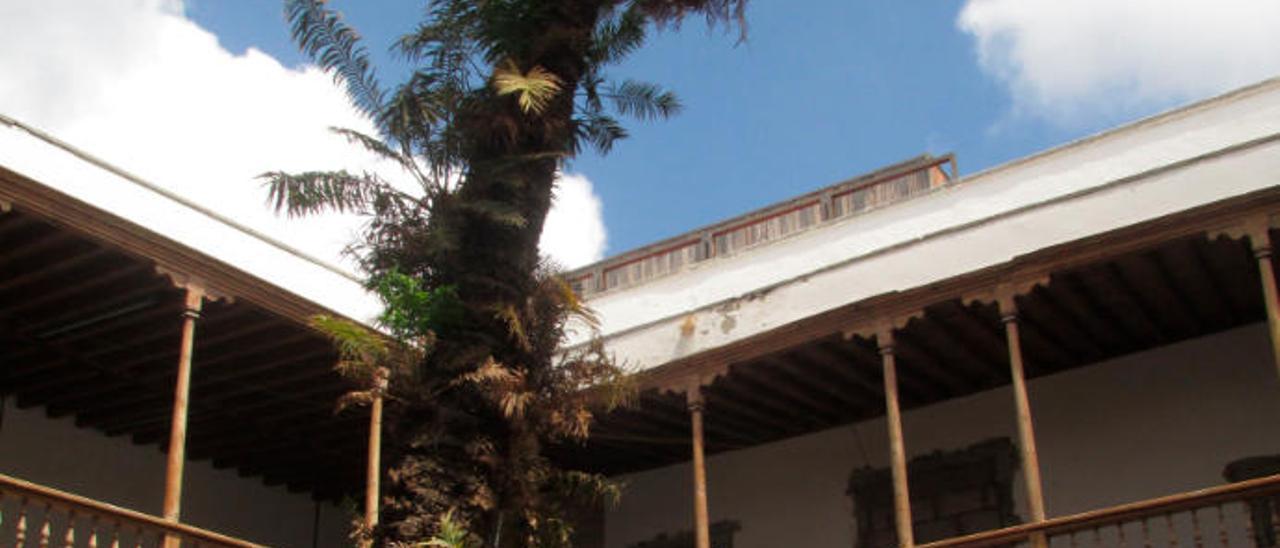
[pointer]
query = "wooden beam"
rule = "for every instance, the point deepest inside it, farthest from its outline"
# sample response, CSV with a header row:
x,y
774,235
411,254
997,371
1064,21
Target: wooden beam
x,y
842,404
1049,313
926,365
763,394
978,339
926,335
912,390
673,414
1153,325
1140,275
1188,272
1210,276
731,407
58,268
818,356
767,372
122,382
222,389
286,415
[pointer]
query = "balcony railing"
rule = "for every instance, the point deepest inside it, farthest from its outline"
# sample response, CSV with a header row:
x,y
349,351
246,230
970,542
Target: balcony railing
x,y
34,515
1239,514
888,186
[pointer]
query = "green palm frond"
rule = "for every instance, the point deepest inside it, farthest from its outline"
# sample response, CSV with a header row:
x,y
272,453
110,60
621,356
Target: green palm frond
x,y
534,89
617,37
322,35
313,192
643,100
730,13
599,130
382,150
450,533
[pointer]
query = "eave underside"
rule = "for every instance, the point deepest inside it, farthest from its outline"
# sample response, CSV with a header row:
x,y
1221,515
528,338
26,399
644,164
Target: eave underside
x,y
1118,293
91,331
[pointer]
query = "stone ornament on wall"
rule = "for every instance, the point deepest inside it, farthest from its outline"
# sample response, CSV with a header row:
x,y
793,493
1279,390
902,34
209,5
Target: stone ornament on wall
x,y
952,493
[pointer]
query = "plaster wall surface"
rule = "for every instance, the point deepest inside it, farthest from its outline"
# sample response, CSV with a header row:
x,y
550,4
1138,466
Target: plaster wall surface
x,y
1155,423
57,454
1137,173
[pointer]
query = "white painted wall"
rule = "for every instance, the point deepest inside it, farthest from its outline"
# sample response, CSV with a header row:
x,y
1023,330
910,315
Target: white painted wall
x,y
1062,195
57,454
1150,424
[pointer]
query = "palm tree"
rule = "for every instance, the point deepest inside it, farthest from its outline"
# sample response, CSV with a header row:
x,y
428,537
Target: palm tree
x,y
505,92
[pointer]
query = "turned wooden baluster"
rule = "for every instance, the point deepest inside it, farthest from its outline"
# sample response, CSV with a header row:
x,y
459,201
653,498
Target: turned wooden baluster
x,y
1173,534
69,537
1097,537
1222,529
93,532
1274,504
46,530
20,530
1120,535
1196,537
139,536
1146,534
114,535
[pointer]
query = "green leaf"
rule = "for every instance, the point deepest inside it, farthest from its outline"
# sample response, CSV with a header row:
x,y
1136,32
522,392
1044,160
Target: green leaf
x,y
643,100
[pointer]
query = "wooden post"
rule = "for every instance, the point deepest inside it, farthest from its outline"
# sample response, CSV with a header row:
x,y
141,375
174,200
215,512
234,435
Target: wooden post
x,y
1261,242
178,424
897,448
373,474
1026,433
702,527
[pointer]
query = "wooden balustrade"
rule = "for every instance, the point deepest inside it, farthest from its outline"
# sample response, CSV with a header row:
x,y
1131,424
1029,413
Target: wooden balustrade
x,y
36,516
771,224
1239,514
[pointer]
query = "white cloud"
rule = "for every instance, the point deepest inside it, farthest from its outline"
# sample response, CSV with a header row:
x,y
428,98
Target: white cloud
x,y
136,83
574,233
1069,61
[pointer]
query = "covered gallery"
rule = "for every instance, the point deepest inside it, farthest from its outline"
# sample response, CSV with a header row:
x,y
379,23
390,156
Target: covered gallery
x,y
1074,349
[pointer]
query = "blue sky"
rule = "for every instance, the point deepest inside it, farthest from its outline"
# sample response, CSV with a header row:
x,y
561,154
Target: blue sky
x,y
817,94
814,96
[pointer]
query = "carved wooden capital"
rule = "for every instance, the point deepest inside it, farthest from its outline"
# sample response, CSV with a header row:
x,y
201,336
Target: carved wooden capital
x,y
197,289
882,328
1004,293
1256,228
694,398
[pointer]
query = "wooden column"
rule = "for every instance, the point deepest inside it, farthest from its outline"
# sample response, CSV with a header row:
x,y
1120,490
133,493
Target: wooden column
x,y
1260,239
897,448
1026,432
701,521
373,474
178,424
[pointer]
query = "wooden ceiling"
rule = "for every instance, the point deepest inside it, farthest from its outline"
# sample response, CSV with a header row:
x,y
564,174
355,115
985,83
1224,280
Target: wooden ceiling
x,y
92,332
1176,290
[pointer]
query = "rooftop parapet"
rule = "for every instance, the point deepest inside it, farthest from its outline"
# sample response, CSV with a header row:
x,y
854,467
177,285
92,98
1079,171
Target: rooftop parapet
x,y
812,211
